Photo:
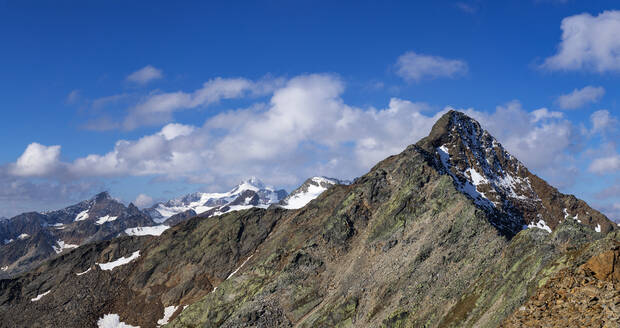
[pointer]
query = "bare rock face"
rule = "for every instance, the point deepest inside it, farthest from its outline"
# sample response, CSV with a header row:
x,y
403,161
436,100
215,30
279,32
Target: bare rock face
x,y
605,266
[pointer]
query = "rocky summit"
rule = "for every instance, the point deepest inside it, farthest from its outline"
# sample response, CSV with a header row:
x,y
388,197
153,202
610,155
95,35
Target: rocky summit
x,y
452,232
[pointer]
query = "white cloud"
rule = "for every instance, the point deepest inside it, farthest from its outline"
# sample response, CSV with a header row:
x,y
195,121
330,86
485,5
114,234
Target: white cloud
x,y
414,67
588,43
37,160
145,75
143,201
581,97
605,165
307,129
174,130
603,122
158,108
543,114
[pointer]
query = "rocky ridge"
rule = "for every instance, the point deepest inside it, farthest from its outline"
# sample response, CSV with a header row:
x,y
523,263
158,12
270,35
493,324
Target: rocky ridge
x,y
405,245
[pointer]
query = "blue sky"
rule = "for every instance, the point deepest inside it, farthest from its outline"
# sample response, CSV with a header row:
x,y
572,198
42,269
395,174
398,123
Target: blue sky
x,y
161,99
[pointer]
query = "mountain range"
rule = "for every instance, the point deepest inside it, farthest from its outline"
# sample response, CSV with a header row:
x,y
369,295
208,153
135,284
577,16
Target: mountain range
x,y
452,232
29,239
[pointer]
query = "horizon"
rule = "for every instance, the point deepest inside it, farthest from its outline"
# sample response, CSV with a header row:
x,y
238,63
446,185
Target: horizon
x,y
175,99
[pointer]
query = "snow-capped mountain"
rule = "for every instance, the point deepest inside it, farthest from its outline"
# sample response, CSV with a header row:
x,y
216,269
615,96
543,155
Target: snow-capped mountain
x,y
498,182
249,193
29,238
309,190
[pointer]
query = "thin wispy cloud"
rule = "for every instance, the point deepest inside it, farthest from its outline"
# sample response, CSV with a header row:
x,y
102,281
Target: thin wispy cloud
x,y
581,97
158,108
145,75
414,67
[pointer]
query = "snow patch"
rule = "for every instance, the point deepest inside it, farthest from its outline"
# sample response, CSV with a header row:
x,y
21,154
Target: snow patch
x,y
105,219
147,231
301,199
82,273
465,187
241,266
112,320
168,312
541,224
23,236
4,268
40,296
598,228
82,216
61,246
119,262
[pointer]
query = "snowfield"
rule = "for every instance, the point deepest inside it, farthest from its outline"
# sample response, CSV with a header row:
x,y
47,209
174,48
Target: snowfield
x,y
105,219
302,199
119,262
147,231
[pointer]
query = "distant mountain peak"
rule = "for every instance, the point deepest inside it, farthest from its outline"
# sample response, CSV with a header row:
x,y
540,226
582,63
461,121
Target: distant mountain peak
x,y
249,193
252,183
309,190
104,195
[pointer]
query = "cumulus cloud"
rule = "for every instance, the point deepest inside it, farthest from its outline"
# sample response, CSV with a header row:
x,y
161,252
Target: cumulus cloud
x,y
581,97
37,160
159,107
174,130
414,67
143,201
145,75
543,114
307,129
588,43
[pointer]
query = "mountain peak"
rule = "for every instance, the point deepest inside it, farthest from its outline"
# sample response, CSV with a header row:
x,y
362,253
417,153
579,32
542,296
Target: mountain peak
x,y
252,183
497,181
104,195
453,124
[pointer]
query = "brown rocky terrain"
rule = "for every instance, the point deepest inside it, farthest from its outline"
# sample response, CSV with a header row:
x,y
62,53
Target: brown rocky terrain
x,y
576,296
